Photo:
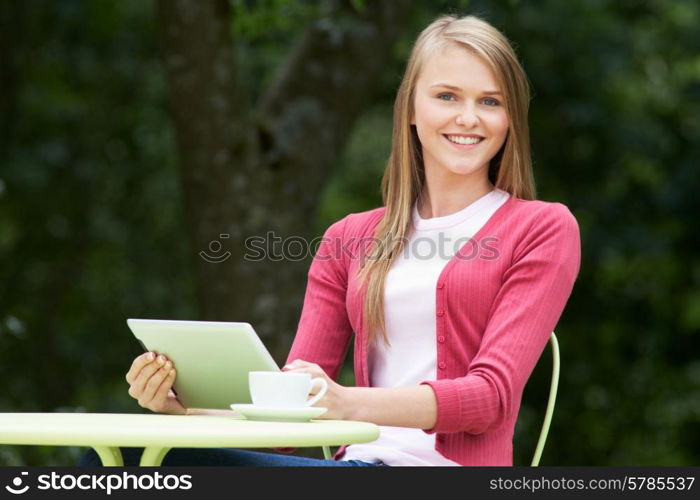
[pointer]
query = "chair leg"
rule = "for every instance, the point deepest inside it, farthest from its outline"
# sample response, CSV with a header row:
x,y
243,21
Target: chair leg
x,y
153,456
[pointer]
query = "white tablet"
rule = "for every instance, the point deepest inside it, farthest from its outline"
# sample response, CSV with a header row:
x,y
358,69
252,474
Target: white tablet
x,y
212,358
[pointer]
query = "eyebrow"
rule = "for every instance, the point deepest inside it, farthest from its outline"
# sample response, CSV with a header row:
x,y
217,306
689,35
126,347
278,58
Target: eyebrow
x,y
452,87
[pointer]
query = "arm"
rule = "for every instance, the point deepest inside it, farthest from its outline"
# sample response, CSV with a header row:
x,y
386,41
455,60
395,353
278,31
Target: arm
x,y
324,329
526,309
395,406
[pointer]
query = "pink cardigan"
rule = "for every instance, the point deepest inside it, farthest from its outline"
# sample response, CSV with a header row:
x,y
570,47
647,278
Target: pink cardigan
x,y
497,301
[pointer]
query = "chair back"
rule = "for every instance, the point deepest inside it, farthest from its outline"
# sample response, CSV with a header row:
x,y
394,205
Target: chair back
x,y
553,386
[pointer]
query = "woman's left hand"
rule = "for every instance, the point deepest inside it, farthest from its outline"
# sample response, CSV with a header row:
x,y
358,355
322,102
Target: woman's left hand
x,y
335,396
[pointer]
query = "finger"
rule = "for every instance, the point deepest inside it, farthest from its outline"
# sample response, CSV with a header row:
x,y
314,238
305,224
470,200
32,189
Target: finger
x,y
298,363
153,384
139,384
160,398
298,369
304,366
138,363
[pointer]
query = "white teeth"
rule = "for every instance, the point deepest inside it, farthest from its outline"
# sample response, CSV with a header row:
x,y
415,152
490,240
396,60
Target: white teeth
x,y
463,140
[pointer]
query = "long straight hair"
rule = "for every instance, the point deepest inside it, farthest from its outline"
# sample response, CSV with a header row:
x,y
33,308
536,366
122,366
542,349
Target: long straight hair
x,y
404,176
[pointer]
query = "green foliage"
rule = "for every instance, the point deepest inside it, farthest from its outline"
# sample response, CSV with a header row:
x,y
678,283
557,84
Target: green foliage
x,y
617,147
90,209
91,228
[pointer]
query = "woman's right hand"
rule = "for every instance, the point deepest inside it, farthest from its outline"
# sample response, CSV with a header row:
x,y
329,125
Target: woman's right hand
x,y
151,380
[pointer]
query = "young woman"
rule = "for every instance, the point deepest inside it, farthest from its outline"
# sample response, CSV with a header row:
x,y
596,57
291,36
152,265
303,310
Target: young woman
x,y
452,288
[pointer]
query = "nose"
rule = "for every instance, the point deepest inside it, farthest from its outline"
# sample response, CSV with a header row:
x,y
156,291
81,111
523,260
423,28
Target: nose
x,y
467,117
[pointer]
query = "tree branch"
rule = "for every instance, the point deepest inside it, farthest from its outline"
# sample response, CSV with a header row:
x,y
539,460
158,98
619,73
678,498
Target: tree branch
x,y
325,84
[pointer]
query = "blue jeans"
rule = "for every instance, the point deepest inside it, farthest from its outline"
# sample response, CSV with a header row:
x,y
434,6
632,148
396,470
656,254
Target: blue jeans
x,y
225,457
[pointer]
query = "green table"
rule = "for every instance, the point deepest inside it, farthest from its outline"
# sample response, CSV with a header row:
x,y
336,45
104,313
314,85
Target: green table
x,y
106,432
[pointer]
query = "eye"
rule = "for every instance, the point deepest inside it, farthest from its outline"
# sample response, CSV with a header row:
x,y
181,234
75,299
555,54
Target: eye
x,y
490,101
449,94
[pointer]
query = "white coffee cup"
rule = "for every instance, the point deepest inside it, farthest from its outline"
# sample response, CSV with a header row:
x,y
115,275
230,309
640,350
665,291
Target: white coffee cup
x,y
283,389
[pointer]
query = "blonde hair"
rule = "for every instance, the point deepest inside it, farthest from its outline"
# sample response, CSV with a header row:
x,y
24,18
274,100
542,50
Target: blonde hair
x,y
402,183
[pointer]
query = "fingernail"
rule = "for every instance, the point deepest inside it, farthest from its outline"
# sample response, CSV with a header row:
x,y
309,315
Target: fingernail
x,y
161,360
150,356
168,365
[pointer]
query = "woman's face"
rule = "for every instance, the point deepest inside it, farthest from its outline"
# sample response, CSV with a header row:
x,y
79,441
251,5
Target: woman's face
x,y
459,115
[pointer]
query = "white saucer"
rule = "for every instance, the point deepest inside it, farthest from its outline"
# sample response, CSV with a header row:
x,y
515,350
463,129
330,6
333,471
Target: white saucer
x,y
304,414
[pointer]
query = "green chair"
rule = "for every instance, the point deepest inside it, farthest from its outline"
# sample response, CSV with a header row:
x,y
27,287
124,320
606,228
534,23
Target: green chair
x,y
554,384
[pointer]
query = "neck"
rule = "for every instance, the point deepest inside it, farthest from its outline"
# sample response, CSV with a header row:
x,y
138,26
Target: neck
x,y
441,199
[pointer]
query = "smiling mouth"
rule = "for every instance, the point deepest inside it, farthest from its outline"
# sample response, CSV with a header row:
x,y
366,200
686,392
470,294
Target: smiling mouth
x,y
464,141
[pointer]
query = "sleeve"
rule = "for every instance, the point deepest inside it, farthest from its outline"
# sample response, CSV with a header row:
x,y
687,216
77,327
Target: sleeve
x,y
324,329
526,309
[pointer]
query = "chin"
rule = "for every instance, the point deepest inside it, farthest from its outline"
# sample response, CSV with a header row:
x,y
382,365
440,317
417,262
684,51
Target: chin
x,y
465,170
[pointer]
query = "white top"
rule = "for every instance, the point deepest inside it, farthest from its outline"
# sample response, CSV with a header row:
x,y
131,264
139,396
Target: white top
x,y
409,314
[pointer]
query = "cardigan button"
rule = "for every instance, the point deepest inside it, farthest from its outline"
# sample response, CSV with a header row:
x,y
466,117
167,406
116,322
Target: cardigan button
x,y
441,339
442,365
440,312
441,286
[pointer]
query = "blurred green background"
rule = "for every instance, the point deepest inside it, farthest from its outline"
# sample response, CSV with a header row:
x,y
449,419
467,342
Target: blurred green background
x,y
113,178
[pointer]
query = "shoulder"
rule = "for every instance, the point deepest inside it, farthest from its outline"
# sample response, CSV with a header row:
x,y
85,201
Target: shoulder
x,y
543,215
357,224
544,228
